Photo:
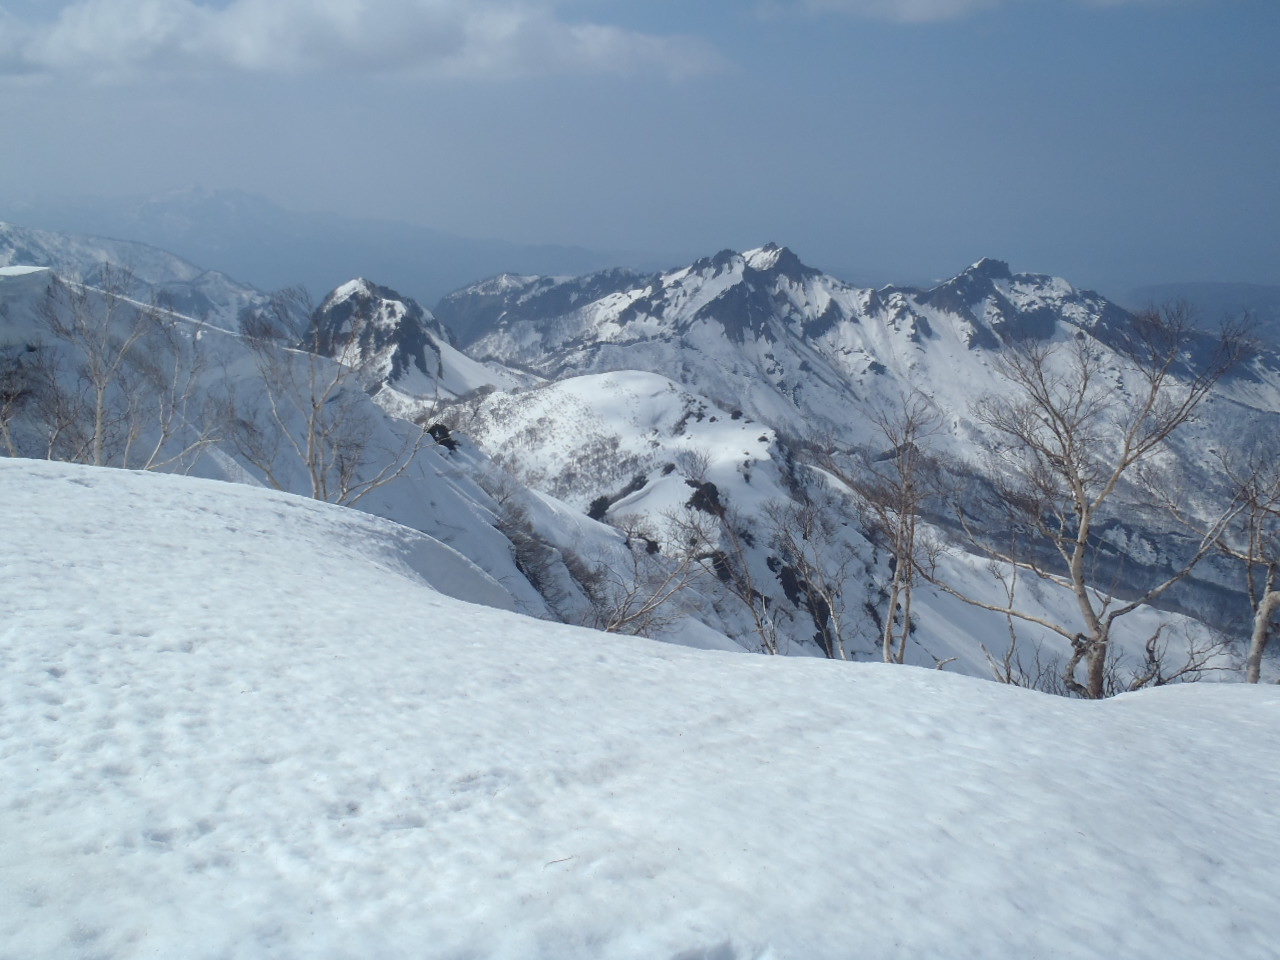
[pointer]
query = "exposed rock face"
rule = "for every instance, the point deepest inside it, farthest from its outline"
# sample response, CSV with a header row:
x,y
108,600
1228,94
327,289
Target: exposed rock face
x,y
376,327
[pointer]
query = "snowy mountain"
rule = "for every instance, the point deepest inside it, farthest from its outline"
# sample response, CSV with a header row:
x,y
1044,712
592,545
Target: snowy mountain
x,y
642,452
397,344
233,408
482,308
239,723
242,722
151,272
647,458
817,362
790,346
249,237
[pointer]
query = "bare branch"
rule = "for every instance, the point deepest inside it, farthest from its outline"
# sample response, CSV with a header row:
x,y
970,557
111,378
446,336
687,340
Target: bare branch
x,y
1065,435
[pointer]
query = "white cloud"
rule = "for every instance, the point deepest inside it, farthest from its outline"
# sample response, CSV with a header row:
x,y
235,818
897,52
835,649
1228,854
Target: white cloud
x,y
906,11
474,38
924,11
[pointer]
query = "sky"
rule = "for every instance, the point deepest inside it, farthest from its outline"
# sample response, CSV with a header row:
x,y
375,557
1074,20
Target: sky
x,y
1108,141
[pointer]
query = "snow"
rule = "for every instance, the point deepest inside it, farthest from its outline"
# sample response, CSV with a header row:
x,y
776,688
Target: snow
x,y
810,368
452,373
433,495
588,436
358,286
20,271
241,724
218,298
762,258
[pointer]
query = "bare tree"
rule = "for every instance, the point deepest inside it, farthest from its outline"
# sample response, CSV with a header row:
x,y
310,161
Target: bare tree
x,y
169,406
717,538
1156,670
1254,539
1068,431
638,593
1250,535
103,328
58,413
815,565
892,487
119,385
20,384
313,413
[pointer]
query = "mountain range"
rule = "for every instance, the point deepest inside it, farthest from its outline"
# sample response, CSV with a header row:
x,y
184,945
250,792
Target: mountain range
x,y
250,238
762,335
597,422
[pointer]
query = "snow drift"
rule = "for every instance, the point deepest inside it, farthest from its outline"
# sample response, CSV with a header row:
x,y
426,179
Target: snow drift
x,y
237,723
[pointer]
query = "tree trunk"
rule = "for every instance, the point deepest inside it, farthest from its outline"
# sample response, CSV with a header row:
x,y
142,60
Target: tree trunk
x,y
99,424
1097,661
890,613
1261,630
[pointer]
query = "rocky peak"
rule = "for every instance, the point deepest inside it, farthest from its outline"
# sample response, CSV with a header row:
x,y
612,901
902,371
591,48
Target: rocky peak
x,y
779,261
366,324
990,269
966,292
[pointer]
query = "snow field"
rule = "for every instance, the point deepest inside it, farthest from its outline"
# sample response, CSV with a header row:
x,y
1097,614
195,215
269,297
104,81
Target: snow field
x,y
235,723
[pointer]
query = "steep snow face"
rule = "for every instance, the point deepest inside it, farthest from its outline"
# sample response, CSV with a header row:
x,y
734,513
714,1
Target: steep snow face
x,y
634,449
241,724
586,436
397,344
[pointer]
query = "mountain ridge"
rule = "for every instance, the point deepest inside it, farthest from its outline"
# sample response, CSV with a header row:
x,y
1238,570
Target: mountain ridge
x,y
248,236
776,358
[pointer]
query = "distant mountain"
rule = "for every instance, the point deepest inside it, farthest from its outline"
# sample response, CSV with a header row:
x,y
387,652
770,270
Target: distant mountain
x,y
761,331
485,307
249,237
184,287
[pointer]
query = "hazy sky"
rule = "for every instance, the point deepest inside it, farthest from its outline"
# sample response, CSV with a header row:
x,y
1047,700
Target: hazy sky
x,y
1104,140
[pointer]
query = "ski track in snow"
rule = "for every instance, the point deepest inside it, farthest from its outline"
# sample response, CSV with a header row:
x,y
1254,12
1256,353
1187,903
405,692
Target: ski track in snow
x,y
234,723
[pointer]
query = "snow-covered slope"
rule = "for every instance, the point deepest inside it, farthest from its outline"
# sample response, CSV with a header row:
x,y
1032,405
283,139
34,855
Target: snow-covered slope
x,y
701,389
183,286
437,493
581,437
642,452
818,361
238,724
495,303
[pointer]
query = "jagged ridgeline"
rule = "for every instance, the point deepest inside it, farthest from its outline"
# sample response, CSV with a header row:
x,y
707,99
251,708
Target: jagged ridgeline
x,y
824,366
745,452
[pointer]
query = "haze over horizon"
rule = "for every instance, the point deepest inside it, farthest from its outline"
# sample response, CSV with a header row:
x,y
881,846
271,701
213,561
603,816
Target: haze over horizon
x,y
1112,142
